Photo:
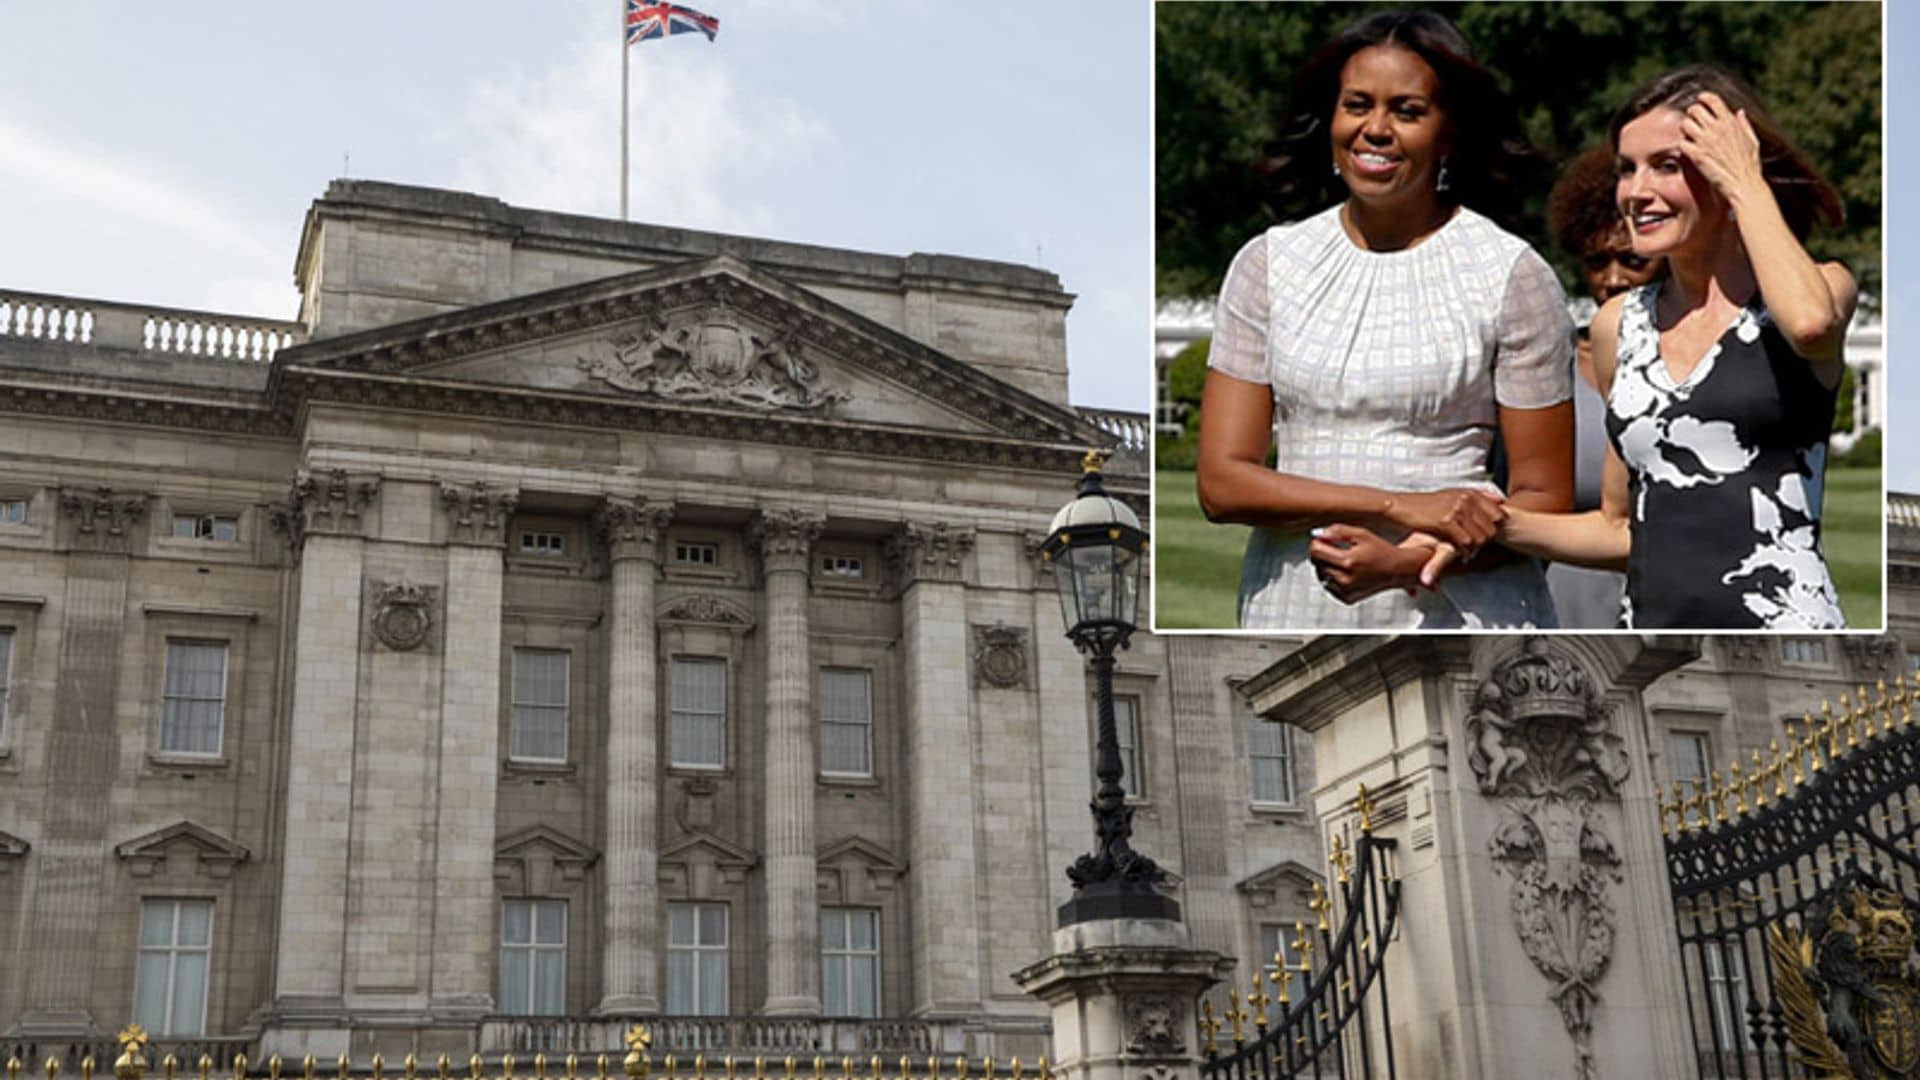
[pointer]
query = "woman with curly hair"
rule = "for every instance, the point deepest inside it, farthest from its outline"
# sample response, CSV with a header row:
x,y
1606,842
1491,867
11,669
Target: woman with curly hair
x,y
1378,346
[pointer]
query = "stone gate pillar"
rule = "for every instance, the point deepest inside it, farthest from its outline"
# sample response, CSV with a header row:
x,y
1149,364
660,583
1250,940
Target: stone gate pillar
x,y
1537,935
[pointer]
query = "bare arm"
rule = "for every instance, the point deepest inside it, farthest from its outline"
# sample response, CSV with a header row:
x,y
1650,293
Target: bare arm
x,y
1235,484
1810,302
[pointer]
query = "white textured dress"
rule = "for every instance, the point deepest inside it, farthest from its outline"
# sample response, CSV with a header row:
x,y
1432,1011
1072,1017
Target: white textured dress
x,y
1387,370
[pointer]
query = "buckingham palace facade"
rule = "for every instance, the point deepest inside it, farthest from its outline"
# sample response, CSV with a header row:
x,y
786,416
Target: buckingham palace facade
x,y
567,620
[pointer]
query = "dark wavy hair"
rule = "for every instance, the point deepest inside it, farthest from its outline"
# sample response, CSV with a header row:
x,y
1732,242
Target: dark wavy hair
x,y
1489,157
1804,195
1581,207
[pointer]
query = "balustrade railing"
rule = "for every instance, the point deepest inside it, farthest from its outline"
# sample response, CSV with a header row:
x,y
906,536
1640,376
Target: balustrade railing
x,y
1131,428
745,1035
104,324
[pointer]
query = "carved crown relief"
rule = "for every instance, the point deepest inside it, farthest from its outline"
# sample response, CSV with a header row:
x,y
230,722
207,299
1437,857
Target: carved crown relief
x,y
403,615
1000,656
1541,745
711,356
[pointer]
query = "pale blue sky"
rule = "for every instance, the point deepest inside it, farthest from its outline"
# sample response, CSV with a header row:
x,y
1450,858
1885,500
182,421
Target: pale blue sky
x,y
166,153
1903,291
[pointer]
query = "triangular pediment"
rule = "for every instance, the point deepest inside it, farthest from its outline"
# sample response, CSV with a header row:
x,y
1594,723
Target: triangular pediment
x,y
547,840
857,850
717,336
210,852
1287,883
706,847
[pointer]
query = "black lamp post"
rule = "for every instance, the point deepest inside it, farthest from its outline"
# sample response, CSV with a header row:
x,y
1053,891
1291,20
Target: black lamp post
x,y
1095,545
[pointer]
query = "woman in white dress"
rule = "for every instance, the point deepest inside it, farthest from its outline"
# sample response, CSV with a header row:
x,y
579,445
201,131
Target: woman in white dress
x,y
1378,347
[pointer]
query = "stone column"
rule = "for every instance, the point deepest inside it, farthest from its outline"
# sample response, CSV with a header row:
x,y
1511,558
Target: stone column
x,y
469,752
326,525
1203,754
629,942
929,562
1122,992
784,539
83,757
1536,928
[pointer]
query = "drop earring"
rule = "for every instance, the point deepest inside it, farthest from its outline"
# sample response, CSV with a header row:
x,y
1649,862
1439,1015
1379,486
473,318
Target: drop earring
x,y
1336,170
1440,181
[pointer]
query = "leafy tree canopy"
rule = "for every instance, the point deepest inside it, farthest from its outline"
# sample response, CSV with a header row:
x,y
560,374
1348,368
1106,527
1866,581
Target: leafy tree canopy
x,y
1223,72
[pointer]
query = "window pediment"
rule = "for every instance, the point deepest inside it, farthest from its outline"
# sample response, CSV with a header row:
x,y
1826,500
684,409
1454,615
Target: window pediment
x,y
214,855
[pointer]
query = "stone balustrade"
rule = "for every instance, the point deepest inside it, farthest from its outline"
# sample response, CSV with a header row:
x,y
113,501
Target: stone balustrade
x,y
714,1036
105,324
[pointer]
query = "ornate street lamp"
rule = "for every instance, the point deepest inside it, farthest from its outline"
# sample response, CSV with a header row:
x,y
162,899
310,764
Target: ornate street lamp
x,y
1095,545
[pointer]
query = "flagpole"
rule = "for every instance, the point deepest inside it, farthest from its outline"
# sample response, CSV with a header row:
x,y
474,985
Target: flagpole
x,y
623,109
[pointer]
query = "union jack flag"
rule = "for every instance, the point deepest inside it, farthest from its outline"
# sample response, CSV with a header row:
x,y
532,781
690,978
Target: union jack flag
x,y
648,21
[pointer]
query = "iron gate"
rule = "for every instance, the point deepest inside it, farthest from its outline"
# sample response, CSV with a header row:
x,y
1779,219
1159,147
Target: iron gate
x,y
1796,890
1317,1025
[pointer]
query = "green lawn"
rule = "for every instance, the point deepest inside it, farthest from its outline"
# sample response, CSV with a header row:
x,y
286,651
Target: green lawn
x,y
1197,565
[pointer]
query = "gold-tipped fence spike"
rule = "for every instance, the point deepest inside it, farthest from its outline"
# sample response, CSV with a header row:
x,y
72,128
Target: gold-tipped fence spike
x,y
1209,1027
1363,805
819,1067
13,1068
906,1068
410,1066
933,1067
506,1067
1759,781
599,1067
791,1073
239,1066
1718,794
167,1066
1737,785
986,1068
52,1067
960,1066
442,1067
1015,1066
308,1066
668,1066
1237,1017
273,1067
1679,805
540,1067
1259,999
378,1064
1046,1068
572,1065
475,1067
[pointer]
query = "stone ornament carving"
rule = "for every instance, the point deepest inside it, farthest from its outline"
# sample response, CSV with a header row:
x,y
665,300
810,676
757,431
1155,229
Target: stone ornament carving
x,y
403,615
1153,1026
102,518
1540,742
711,356
1042,568
328,502
1744,650
694,810
1872,655
631,527
784,536
477,514
1000,656
929,552
704,608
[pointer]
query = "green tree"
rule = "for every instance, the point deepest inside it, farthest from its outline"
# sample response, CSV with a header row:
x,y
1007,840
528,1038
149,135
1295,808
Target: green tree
x,y
1222,74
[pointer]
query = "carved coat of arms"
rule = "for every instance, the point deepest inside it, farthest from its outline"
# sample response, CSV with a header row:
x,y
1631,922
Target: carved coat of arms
x,y
403,615
711,357
1849,983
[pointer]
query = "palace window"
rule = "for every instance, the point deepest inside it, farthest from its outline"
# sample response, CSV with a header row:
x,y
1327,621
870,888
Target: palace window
x,y
1275,942
1689,755
1803,650
1270,761
1126,725
546,544
842,566
850,961
698,726
540,691
1727,990
846,722
194,697
206,527
13,511
170,976
689,553
697,959
533,957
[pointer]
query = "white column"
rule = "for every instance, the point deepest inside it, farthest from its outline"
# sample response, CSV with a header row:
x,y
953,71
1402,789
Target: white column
x,y
463,921
930,563
629,942
326,526
784,538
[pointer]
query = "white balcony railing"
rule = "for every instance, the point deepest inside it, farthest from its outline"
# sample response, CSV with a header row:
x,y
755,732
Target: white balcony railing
x,y
105,324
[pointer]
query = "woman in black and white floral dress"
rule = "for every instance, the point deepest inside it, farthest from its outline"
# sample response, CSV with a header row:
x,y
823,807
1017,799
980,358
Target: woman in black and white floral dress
x,y
1721,380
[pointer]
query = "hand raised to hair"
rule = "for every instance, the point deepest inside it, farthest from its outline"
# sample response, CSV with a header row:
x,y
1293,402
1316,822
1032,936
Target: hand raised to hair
x,y
1721,144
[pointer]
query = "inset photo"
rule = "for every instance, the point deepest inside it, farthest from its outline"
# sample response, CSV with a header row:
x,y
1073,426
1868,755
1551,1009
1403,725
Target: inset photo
x,y
1518,316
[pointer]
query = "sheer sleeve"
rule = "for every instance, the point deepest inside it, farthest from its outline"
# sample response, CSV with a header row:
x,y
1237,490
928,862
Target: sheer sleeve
x,y
1534,365
1240,318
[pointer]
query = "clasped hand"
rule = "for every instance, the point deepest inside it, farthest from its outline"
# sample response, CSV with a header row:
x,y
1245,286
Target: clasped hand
x,y
1443,527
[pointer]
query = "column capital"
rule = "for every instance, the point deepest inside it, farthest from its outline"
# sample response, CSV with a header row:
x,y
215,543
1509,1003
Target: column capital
x,y
327,501
784,536
102,518
929,551
477,514
631,526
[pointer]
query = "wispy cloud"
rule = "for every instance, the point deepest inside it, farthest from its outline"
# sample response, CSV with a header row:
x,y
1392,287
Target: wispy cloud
x,y
699,151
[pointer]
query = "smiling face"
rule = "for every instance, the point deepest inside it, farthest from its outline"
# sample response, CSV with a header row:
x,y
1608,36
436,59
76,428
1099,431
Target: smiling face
x,y
1611,267
1389,132
1667,203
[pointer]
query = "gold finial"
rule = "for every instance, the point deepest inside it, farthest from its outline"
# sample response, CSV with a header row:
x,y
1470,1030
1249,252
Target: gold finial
x,y
1320,904
933,1067
1209,1026
344,1066
308,1066
506,1067
1093,461
1015,1066
1679,807
378,1063
1738,787
790,1068
1759,781
639,1040
667,1066
1340,858
819,1067
1046,1068
572,1065
130,1065
599,1067
1718,798
52,1067
475,1067
1259,999
986,1069
1363,805
409,1066
442,1067
539,1067
239,1066
86,1067
13,1068
167,1065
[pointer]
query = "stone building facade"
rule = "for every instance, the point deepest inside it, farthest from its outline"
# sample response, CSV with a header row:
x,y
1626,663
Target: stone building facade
x,y
575,617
